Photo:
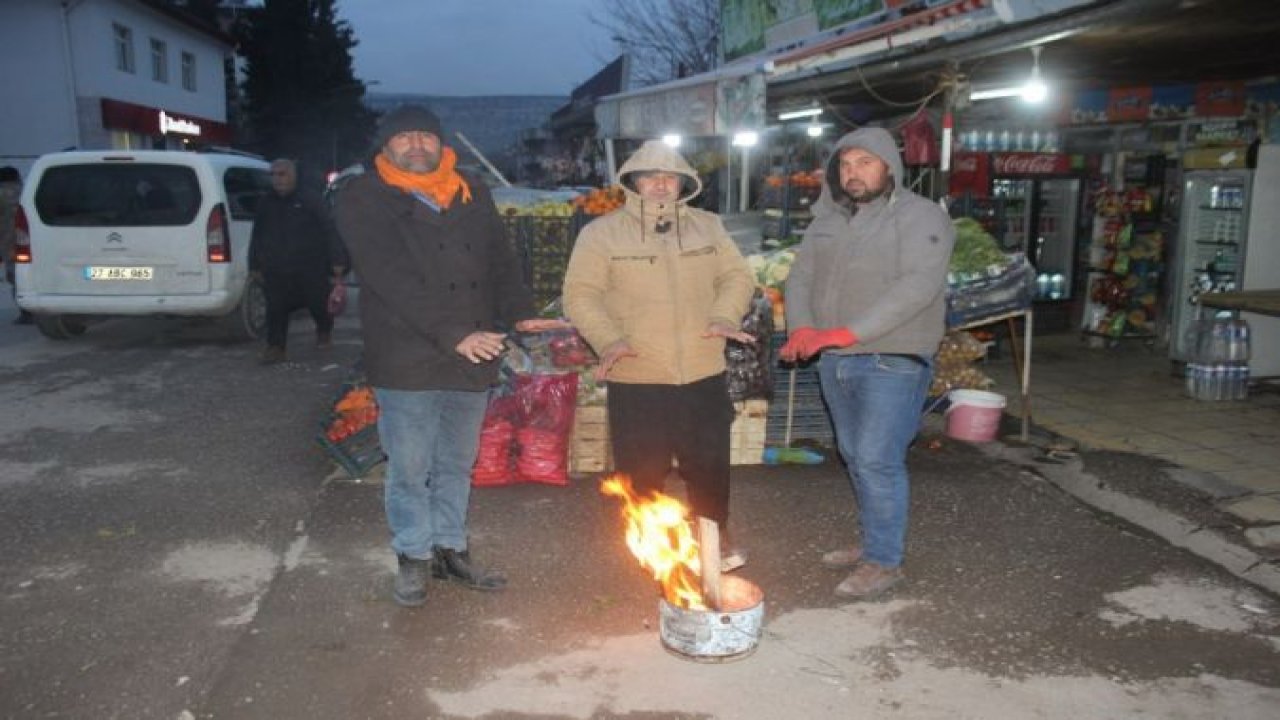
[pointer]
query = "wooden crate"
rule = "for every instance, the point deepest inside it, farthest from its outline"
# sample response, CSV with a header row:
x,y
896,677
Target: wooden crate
x,y
746,435
589,450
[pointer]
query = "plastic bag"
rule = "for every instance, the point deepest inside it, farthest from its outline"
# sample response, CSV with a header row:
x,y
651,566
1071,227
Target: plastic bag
x,y
554,350
337,299
955,364
749,366
547,405
495,460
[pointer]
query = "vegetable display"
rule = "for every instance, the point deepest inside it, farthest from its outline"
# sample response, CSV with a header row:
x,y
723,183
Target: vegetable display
x,y
975,248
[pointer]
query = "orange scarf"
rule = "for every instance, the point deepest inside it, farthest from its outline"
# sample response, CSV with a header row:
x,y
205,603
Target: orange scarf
x,y
441,185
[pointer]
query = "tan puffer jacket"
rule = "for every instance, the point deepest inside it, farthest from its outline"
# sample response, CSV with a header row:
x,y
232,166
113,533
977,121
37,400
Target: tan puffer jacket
x,y
658,291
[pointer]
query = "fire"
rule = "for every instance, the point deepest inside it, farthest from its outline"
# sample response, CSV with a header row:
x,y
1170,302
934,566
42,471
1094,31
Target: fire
x,y
660,536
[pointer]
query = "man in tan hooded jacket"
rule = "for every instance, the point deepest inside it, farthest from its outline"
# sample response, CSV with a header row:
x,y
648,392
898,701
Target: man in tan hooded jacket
x,y
656,287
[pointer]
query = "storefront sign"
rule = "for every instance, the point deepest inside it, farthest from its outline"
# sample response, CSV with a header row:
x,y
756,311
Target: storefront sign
x,y
1031,163
1129,104
120,115
971,174
1220,99
170,124
1232,99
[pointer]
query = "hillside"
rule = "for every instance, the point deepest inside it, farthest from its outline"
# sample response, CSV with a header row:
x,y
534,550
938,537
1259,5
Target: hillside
x,y
492,122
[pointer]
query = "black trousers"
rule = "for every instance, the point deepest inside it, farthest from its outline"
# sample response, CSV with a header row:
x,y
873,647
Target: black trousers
x,y
287,292
651,424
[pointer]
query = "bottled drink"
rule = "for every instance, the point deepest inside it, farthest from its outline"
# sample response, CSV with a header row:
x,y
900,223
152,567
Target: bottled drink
x,y
1242,383
1239,344
1192,374
1004,140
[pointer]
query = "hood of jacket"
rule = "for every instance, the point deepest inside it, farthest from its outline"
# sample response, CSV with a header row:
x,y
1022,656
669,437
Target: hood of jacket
x,y
658,156
874,140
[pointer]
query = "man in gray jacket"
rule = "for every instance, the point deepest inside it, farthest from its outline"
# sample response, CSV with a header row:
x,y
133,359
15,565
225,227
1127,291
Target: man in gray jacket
x,y
868,291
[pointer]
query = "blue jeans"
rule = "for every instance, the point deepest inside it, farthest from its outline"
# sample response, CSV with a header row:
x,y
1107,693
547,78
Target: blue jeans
x,y
431,438
876,403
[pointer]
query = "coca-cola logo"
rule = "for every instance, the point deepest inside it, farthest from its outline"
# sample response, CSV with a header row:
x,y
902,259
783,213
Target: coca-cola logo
x,y
1028,164
968,164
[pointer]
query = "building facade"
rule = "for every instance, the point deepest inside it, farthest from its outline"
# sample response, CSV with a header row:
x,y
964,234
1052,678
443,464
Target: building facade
x,y
102,74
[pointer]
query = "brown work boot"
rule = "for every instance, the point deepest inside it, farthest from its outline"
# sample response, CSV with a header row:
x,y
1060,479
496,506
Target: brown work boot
x,y
868,580
272,355
842,558
324,340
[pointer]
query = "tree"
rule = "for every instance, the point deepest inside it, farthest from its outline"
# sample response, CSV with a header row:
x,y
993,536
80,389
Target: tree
x,y
666,39
302,99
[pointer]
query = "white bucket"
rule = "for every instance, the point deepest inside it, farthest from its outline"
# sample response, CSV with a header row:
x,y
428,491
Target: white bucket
x,y
974,415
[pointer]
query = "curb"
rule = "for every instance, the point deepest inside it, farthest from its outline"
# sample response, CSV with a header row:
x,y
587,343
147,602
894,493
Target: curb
x,y
1070,477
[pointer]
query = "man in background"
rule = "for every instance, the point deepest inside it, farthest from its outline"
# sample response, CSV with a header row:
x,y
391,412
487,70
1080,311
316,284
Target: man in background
x,y
10,190
297,256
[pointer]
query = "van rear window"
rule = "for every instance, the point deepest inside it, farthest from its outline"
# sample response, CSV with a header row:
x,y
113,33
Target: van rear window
x,y
100,195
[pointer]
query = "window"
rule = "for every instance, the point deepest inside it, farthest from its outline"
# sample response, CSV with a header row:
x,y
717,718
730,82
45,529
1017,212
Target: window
x,y
244,188
100,195
189,71
124,47
159,61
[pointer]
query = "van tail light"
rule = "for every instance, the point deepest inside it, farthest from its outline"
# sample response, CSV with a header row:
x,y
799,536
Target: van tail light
x,y
217,238
22,238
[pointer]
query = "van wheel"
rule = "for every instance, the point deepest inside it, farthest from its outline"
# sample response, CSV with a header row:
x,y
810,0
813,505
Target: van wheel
x,y
249,320
60,327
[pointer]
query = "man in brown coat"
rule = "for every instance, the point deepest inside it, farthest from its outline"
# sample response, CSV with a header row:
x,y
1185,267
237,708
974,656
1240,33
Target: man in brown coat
x,y
656,287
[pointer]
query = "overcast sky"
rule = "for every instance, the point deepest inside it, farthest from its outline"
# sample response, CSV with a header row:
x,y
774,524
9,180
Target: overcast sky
x,y
475,47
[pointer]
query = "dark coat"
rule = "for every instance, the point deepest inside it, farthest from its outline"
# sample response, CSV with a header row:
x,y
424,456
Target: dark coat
x,y
293,234
427,280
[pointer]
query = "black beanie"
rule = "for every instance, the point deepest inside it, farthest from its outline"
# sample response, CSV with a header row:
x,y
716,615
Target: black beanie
x,y
406,118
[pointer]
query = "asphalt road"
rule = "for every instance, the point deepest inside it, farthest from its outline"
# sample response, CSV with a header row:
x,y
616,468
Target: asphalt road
x,y
174,545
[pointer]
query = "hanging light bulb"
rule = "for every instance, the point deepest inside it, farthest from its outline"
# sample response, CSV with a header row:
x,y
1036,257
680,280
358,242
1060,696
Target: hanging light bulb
x,y
1035,91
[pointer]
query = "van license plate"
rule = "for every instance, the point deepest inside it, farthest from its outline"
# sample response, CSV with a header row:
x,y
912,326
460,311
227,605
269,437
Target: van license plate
x,y
97,272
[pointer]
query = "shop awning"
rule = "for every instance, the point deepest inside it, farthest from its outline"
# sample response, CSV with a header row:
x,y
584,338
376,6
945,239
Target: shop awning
x,y
719,102
1102,44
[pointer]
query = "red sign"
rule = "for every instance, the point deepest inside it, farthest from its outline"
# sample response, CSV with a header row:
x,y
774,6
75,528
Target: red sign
x,y
1220,99
1125,104
970,173
120,115
1031,164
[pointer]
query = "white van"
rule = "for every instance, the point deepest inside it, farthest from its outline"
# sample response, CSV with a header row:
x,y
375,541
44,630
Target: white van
x,y
152,232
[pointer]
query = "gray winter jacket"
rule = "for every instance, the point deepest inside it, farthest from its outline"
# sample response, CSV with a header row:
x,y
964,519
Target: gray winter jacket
x,y
879,268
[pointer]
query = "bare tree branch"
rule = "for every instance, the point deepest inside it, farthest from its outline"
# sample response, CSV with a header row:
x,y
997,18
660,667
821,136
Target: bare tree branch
x,y
665,38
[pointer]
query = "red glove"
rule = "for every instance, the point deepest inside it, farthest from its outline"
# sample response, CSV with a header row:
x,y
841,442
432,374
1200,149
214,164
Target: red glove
x,y
807,342
796,342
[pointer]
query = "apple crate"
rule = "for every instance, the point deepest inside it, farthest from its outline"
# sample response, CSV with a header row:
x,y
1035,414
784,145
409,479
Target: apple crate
x,y
747,433
357,453
589,450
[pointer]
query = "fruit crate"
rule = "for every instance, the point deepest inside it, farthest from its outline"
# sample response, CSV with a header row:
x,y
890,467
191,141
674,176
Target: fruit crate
x,y
747,434
803,399
357,453
589,449
543,243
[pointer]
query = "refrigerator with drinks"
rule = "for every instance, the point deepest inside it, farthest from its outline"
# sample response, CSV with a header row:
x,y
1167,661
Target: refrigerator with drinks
x,y
1229,240
1030,202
